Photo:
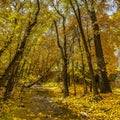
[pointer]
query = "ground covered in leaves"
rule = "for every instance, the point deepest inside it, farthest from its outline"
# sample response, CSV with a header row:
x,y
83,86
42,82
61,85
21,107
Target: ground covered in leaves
x,y
45,102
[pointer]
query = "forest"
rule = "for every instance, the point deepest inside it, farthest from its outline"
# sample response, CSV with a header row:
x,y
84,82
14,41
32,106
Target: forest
x,y
59,60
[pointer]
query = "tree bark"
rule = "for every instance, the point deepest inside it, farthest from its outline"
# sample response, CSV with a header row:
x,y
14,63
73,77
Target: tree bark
x,y
104,83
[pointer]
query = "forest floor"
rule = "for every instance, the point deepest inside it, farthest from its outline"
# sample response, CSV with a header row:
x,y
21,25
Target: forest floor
x,y
45,102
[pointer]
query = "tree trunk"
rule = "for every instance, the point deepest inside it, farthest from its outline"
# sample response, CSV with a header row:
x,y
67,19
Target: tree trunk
x,y
65,79
12,68
104,83
10,84
78,17
63,50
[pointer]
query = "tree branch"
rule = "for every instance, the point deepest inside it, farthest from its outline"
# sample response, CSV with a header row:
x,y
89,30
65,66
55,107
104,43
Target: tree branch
x,y
58,40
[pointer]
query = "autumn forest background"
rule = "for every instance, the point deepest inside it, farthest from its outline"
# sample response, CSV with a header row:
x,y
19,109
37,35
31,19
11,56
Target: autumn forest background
x,y
59,59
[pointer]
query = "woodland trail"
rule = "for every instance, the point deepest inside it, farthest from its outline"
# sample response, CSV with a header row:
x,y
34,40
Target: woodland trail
x,y
40,104
44,102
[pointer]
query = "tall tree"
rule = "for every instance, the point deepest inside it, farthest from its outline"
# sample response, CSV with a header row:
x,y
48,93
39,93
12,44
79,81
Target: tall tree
x,y
64,57
78,17
13,66
104,83
63,49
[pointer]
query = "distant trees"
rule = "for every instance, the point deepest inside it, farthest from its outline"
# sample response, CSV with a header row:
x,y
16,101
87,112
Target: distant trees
x,y
24,52
28,42
87,38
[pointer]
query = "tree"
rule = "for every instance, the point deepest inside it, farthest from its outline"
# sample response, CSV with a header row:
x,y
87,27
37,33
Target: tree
x,y
78,17
63,50
11,70
64,57
104,83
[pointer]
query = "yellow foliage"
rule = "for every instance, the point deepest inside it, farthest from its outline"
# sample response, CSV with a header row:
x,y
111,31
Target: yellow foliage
x,y
31,114
40,114
18,119
106,108
37,118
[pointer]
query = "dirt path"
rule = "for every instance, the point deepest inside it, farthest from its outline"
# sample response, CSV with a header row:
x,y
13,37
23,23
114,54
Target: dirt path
x,y
43,108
